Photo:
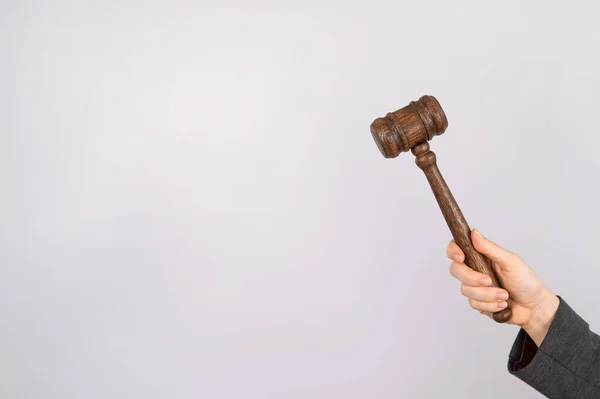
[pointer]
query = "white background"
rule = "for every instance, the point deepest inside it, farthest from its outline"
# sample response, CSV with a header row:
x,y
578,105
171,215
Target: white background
x,y
193,206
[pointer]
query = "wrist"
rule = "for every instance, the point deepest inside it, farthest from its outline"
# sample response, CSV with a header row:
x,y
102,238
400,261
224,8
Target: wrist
x,y
541,317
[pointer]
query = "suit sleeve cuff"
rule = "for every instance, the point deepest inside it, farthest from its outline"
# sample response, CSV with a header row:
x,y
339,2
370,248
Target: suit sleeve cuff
x,y
566,327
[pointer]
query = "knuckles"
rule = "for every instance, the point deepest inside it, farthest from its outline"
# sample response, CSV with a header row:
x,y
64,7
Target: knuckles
x,y
464,289
473,304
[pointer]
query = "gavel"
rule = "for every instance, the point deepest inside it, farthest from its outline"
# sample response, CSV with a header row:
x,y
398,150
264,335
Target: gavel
x,y
410,128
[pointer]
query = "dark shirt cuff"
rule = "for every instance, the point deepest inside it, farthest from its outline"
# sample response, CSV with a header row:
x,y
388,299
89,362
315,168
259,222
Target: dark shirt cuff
x,y
528,350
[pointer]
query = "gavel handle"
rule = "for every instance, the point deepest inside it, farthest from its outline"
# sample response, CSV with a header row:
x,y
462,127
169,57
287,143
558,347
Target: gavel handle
x,y
457,223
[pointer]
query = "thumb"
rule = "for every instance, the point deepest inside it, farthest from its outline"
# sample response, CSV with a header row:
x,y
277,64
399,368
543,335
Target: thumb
x,y
493,251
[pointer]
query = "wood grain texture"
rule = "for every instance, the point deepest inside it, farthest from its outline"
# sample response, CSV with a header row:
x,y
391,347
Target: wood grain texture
x,y
410,128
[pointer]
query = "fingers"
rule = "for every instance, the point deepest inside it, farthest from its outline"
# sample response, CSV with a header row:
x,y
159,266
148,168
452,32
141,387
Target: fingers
x,y
477,288
484,294
454,252
492,250
490,307
468,276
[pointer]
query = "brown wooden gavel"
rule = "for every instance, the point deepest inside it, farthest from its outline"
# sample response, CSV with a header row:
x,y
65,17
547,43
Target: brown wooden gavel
x,y
410,128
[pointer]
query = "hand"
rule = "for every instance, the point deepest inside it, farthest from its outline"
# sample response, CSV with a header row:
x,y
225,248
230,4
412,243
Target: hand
x,y
532,304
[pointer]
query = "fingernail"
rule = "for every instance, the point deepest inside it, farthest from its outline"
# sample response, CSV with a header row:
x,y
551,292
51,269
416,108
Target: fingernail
x,y
501,304
502,296
457,258
486,281
478,233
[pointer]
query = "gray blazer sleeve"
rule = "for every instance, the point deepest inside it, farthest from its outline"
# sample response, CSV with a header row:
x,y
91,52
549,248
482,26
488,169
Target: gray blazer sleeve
x,y
567,364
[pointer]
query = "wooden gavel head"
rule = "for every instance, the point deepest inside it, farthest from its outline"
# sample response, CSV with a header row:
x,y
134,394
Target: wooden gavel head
x,y
407,127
